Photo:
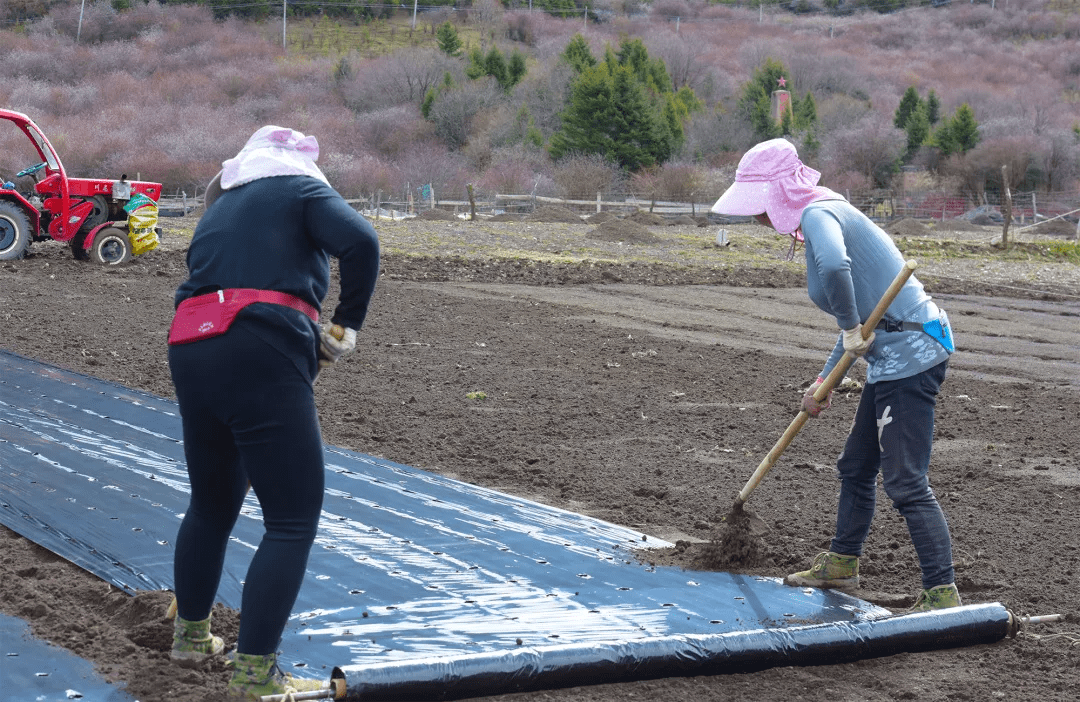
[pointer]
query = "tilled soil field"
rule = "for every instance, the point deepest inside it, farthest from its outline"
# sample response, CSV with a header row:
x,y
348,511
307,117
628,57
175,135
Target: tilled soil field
x,y
638,379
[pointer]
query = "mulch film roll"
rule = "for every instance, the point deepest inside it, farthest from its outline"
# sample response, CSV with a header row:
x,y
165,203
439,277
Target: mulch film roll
x,y
737,652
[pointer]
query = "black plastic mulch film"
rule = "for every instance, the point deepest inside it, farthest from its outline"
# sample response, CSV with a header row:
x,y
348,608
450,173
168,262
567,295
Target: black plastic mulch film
x,y
419,586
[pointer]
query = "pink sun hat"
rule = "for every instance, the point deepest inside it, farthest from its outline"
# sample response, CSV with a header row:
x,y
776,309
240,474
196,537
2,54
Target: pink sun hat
x,y
272,151
772,180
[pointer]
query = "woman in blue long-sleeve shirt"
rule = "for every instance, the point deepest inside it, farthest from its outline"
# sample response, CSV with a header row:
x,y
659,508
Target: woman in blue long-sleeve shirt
x,y
245,348
850,262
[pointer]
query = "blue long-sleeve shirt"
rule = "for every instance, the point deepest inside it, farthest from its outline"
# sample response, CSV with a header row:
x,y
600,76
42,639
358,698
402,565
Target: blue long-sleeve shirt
x,y
850,263
278,233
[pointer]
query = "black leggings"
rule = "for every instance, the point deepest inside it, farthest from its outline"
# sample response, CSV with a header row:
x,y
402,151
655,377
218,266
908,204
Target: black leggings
x,y
248,414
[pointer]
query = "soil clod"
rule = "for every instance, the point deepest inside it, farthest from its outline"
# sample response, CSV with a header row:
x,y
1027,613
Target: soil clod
x,y
734,544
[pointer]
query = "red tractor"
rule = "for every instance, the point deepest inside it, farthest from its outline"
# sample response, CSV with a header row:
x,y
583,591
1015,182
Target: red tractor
x,y
102,220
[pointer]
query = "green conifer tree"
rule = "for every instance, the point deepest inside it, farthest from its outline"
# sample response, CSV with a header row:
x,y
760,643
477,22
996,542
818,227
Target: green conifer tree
x,y
578,55
610,114
516,68
787,123
943,139
495,66
917,129
933,108
964,128
447,37
908,104
806,113
477,67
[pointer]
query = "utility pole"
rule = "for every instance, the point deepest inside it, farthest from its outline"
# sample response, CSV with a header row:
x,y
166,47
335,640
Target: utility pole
x,y
1006,213
284,3
78,32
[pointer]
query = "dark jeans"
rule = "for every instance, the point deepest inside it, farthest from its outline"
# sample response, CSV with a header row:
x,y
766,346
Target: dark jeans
x,y
892,433
248,415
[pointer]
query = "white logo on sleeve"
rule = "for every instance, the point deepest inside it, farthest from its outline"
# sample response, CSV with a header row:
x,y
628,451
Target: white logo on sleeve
x,y
881,423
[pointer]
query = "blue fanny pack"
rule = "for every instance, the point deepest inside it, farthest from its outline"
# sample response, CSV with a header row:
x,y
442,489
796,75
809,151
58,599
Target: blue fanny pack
x,y
938,329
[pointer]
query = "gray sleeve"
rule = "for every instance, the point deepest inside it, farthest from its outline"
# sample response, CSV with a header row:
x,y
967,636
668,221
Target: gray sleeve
x,y
831,264
834,357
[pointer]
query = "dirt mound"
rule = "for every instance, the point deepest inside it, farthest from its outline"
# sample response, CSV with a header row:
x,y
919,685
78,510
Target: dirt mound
x,y
650,219
1057,227
549,213
438,215
908,227
961,225
507,217
624,230
128,637
601,217
682,221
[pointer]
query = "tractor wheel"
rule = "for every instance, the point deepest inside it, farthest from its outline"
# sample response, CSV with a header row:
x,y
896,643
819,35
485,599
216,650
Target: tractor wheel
x,y
111,247
14,232
78,250
98,215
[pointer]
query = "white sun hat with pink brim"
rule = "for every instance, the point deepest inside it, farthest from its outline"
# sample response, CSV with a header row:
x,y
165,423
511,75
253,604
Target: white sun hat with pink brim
x,y
771,180
271,151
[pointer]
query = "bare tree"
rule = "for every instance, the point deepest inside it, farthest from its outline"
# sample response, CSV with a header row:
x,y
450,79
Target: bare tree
x,y
1059,157
454,109
583,175
684,57
870,147
400,78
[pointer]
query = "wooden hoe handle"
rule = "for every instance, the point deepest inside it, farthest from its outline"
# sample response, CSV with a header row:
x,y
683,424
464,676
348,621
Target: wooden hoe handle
x,y
834,378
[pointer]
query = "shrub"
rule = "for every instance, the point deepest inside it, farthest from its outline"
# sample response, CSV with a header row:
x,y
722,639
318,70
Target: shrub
x,y
513,171
434,164
544,93
363,176
680,181
453,110
102,22
671,9
401,78
581,176
869,148
392,131
716,138
520,27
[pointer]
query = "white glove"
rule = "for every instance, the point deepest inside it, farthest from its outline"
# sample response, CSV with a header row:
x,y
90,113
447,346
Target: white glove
x,y
812,406
334,342
853,341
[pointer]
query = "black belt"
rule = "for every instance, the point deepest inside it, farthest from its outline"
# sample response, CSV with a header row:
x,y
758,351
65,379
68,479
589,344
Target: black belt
x,y
889,325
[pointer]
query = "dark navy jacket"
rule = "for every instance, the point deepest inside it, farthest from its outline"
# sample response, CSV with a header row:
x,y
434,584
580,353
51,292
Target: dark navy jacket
x,y
279,233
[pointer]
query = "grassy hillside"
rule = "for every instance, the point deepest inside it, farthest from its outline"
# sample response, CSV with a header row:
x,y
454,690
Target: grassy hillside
x,y
168,92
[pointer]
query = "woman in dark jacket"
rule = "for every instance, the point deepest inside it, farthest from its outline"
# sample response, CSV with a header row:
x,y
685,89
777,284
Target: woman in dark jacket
x,y
245,348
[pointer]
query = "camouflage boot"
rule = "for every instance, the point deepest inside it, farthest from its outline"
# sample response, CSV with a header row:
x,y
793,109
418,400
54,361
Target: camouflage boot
x,y
193,643
940,597
256,676
830,570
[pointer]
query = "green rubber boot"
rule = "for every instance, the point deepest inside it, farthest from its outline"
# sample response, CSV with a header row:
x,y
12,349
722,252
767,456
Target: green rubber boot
x,y
256,676
830,570
193,643
940,597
